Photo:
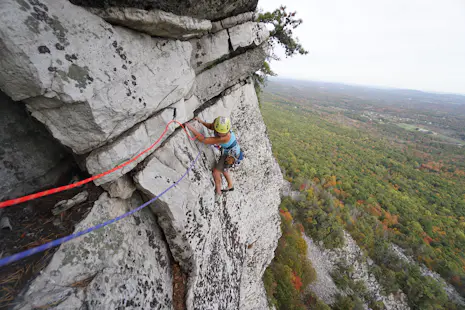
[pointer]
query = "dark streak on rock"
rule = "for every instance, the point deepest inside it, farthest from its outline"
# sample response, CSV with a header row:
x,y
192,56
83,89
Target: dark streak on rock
x,y
43,49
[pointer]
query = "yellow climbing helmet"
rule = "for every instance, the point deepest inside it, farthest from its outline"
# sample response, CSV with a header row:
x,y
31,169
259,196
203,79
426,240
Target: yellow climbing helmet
x,y
222,124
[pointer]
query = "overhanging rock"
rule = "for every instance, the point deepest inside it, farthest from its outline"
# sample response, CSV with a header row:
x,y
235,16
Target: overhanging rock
x,y
86,80
30,159
207,9
213,48
212,82
138,139
155,22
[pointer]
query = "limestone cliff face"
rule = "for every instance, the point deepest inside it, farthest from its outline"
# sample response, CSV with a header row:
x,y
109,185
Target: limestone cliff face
x,y
105,80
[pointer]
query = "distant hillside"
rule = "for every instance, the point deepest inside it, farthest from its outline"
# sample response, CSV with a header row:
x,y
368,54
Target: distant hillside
x,y
388,96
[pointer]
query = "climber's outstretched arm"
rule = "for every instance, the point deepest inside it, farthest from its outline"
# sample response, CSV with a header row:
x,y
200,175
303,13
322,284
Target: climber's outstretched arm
x,y
209,140
208,125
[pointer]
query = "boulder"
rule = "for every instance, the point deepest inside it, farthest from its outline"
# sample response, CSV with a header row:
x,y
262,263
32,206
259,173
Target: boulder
x,y
121,188
206,9
86,80
124,265
138,139
64,205
155,22
30,159
250,33
210,240
212,82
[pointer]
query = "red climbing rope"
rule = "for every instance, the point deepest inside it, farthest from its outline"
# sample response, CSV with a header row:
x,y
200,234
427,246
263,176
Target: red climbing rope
x,y
51,191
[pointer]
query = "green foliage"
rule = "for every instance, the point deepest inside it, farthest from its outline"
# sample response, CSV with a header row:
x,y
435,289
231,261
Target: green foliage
x,y
356,290
290,272
347,303
311,301
353,179
261,76
284,23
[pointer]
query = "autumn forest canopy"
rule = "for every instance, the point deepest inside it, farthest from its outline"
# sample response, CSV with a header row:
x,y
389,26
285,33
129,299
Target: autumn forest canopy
x,y
388,166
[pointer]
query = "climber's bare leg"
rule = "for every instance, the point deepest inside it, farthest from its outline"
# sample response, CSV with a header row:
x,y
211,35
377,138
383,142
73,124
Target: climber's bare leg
x,y
217,179
229,179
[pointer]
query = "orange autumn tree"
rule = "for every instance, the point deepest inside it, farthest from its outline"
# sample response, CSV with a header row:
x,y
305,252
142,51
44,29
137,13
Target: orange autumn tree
x,y
290,272
296,281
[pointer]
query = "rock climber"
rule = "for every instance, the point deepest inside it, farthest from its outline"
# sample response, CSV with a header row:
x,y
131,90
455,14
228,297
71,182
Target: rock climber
x,y
230,150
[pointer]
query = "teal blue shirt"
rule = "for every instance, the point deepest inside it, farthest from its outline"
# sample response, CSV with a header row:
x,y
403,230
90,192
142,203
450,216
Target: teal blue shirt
x,y
231,147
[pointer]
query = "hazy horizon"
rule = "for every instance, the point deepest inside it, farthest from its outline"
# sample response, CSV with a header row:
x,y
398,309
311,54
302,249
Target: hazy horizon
x,y
279,77
416,44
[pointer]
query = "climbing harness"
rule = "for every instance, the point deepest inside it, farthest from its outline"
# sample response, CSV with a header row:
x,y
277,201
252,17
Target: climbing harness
x,y
15,201
232,159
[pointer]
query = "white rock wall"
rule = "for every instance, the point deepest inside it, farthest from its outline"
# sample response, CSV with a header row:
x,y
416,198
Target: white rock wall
x,y
211,240
107,93
124,265
86,80
89,81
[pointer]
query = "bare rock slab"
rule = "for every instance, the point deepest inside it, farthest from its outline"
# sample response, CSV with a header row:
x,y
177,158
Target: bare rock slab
x,y
125,265
210,240
212,82
248,34
140,138
238,19
209,49
121,188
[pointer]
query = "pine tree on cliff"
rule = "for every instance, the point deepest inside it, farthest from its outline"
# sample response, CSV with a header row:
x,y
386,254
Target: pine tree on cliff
x,y
283,23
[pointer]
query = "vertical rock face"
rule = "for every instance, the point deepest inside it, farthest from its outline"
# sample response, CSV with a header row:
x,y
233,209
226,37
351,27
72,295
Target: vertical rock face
x,y
108,93
224,246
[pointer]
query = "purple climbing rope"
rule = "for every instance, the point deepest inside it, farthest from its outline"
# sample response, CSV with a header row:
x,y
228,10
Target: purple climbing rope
x,y
18,256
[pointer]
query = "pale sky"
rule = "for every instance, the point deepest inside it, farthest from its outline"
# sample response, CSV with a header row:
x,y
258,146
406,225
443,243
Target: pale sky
x,y
415,44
